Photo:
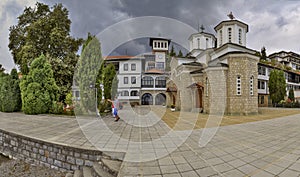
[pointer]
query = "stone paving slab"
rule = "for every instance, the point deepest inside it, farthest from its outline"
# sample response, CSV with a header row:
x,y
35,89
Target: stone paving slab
x,y
264,148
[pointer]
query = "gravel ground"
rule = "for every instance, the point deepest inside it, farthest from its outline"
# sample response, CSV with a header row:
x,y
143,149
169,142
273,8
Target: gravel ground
x,y
18,168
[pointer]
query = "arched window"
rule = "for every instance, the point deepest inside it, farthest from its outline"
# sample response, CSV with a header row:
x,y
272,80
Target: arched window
x,y
240,36
198,42
251,85
238,85
229,34
147,82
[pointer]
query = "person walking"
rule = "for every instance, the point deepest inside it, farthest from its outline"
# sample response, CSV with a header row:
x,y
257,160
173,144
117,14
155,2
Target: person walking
x,y
115,107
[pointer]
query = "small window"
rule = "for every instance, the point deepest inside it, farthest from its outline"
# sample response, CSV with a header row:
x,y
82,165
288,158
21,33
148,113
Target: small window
x,y
155,44
229,34
133,80
125,80
251,85
198,40
238,85
133,67
126,67
240,36
158,45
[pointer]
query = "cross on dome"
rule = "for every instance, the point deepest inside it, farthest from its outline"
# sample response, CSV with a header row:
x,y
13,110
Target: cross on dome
x,y
230,15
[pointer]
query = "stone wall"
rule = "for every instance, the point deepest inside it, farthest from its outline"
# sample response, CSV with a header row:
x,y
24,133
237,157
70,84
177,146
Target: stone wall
x,y
245,66
215,102
43,153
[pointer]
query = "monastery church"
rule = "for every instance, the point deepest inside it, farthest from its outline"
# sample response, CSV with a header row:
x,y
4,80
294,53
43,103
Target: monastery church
x,y
217,68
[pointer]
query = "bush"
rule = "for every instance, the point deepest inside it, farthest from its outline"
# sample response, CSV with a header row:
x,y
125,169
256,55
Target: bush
x,y
38,88
35,101
57,108
69,99
10,96
105,106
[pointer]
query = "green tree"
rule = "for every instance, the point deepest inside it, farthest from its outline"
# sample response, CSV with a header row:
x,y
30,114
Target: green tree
x,y
291,95
180,54
277,86
263,55
109,74
10,94
39,91
87,73
44,30
1,70
172,52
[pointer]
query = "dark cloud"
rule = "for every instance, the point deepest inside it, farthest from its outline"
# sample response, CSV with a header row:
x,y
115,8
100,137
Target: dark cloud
x,y
263,17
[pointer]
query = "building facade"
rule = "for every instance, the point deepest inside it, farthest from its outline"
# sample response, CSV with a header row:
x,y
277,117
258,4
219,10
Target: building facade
x,y
142,79
219,72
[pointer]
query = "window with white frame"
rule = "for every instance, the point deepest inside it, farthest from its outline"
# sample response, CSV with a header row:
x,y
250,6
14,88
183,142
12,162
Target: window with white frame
x,y
238,85
261,70
160,65
133,67
125,80
198,41
125,67
251,85
261,85
133,80
125,93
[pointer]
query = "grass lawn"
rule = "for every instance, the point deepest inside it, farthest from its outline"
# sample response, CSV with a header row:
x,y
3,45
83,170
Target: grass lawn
x,y
186,120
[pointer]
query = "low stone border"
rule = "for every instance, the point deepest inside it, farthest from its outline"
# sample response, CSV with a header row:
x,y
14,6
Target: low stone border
x,y
39,152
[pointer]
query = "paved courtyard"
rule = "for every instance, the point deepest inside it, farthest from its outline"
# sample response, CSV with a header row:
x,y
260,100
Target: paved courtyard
x,y
262,148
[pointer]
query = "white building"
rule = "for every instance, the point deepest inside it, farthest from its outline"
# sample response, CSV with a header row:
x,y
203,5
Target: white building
x,y
142,79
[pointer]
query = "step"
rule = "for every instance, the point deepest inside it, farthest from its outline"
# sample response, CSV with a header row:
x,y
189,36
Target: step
x,y
87,172
113,165
100,171
78,173
114,155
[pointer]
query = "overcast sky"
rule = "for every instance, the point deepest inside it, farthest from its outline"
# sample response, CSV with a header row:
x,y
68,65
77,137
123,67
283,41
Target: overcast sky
x,y
273,24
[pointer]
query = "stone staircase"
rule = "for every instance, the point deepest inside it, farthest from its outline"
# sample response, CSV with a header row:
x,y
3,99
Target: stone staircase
x,y
106,167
